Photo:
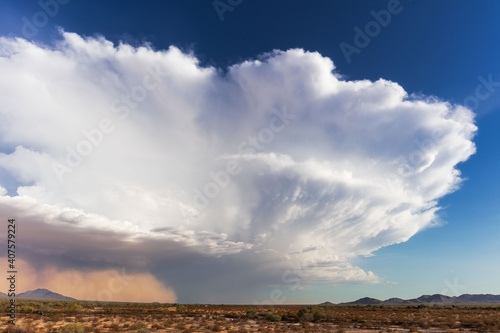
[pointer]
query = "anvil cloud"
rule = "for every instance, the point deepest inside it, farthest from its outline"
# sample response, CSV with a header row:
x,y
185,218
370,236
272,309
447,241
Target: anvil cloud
x,y
214,184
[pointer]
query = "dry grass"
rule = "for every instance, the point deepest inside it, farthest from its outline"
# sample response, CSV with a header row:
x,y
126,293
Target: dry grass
x,y
46,316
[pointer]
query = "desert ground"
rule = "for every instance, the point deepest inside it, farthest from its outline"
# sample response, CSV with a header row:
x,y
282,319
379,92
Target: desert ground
x,y
63,316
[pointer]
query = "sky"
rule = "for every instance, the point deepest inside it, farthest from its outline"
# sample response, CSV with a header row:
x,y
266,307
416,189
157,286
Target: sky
x,y
237,151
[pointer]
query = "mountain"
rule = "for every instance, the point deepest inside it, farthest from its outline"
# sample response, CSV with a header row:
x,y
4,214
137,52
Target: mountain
x,y
44,294
368,300
3,295
466,299
480,298
437,299
395,300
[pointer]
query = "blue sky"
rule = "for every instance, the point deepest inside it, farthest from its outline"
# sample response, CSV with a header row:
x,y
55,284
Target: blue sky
x,y
445,49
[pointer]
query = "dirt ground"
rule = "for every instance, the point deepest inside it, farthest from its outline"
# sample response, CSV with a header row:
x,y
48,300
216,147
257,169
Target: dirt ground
x,y
57,316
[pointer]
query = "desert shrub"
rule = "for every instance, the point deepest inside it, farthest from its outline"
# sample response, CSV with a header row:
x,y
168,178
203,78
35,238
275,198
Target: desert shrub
x,y
44,308
410,327
73,328
109,310
252,313
73,308
311,313
273,317
114,327
424,324
26,328
141,328
180,308
487,326
305,316
25,308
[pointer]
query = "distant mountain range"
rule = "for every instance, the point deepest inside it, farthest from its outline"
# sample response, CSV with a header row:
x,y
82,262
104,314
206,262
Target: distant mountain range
x,y
470,299
465,299
40,294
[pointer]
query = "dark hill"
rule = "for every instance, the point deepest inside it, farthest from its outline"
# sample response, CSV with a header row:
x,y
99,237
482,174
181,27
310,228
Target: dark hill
x,y
44,294
478,299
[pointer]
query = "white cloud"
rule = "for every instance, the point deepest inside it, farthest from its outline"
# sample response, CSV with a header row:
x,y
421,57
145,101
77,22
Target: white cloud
x,y
114,140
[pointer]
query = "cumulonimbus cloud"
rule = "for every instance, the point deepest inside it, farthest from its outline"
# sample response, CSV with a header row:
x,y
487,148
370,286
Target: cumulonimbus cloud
x,y
275,162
